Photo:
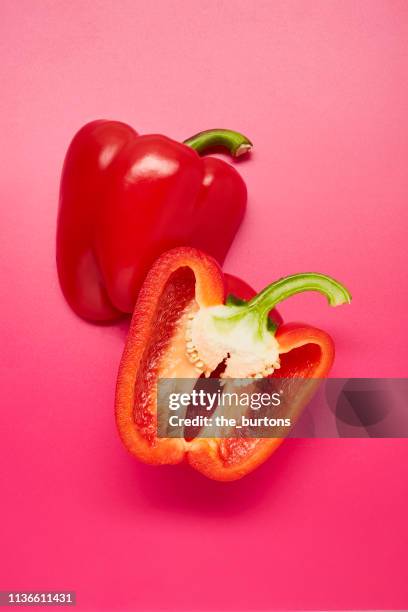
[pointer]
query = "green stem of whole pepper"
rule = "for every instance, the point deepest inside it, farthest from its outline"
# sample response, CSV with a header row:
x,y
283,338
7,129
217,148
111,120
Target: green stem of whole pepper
x,y
237,144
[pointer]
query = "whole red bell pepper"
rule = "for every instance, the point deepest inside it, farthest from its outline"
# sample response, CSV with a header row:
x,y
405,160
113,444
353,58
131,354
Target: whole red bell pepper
x,y
176,333
125,199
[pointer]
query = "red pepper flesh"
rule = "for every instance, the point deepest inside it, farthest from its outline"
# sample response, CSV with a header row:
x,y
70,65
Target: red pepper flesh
x,y
125,199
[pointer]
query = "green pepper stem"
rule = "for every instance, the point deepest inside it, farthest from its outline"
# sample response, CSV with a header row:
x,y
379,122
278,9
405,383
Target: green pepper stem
x,y
237,144
285,287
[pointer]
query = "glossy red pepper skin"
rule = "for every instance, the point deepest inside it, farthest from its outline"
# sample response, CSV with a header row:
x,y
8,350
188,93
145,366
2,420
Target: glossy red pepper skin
x,y
179,281
125,199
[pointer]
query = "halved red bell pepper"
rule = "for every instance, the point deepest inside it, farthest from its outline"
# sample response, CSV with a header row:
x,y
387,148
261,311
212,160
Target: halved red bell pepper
x,y
171,335
125,199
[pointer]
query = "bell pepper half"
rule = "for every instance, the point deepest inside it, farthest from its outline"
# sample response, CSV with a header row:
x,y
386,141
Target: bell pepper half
x,y
184,326
125,199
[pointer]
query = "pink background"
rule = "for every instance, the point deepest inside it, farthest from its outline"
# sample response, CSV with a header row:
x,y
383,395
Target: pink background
x,y
321,88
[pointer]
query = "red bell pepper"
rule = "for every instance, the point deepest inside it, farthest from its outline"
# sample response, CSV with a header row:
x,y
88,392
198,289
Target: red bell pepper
x,y
173,335
125,199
